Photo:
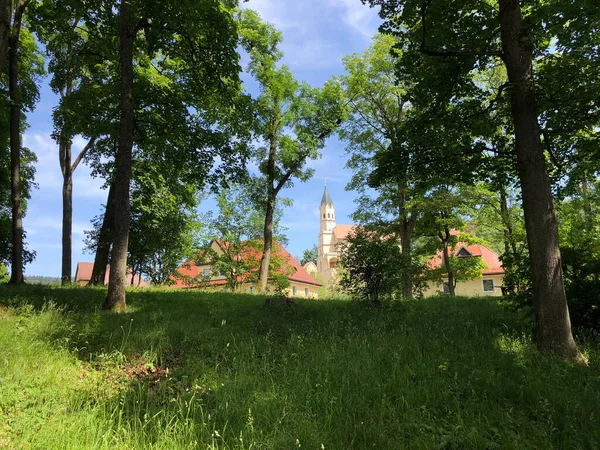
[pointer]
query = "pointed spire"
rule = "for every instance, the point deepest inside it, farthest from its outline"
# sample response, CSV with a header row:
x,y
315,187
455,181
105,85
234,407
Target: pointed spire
x,y
326,200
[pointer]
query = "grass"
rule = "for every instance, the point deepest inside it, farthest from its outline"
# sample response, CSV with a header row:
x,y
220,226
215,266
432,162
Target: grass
x,y
196,370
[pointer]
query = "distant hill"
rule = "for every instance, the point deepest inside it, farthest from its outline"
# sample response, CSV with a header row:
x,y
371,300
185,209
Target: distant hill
x,y
36,279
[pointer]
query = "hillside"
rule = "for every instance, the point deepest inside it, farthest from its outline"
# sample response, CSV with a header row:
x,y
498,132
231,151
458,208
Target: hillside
x,y
196,370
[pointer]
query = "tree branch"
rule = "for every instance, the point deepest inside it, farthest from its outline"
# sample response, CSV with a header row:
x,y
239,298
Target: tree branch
x,y
448,53
82,153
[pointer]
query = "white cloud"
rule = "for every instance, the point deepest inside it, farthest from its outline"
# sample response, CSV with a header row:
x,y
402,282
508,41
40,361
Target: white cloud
x,y
315,31
359,17
48,175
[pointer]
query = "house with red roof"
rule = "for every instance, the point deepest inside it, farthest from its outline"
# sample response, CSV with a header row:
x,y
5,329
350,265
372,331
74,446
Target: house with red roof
x,y
199,274
83,275
332,234
492,275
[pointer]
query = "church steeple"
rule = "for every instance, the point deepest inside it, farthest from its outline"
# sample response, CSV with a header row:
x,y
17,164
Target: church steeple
x,y
326,200
327,212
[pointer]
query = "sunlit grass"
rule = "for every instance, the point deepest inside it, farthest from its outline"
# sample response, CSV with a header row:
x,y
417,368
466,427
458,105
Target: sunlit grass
x,y
197,370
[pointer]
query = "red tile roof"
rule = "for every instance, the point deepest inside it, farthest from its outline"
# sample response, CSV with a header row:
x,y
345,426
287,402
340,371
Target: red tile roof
x,y
342,231
83,274
190,270
489,257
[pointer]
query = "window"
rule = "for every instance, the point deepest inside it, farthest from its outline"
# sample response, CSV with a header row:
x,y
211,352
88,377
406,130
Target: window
x,y
306,292
445,287
488,285
252,289
206,273
294,291
328,215
463,253
323,216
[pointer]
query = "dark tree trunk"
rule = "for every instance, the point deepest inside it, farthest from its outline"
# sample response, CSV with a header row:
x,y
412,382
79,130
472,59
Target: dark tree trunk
x,y
406,232
509,238
267,245
67,196
104,240
115,299
406,225
447,265
6,10
265,261
553,325
587,205
15,147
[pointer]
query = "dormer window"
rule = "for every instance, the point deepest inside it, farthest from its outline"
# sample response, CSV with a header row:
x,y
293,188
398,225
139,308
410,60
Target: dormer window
x,y
463,253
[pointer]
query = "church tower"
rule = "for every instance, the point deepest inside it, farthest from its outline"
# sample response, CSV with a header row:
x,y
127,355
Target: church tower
x,y
326,245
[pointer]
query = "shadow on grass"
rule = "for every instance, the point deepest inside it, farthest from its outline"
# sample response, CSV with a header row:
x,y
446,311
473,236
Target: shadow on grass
x,y
227,371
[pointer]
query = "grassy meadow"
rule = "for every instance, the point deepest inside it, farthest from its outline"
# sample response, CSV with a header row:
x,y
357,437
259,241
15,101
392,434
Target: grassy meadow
x,y
186,370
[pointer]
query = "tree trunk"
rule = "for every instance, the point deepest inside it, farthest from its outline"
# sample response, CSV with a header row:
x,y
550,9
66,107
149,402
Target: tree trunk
x,y
406,224
15,147
509,239
6,9
406,231
265,261
115,299
447,265
104,240
553,325
67,195
587,205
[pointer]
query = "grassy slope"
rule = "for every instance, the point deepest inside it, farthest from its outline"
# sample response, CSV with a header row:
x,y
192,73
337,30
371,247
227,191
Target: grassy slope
x,y
441,373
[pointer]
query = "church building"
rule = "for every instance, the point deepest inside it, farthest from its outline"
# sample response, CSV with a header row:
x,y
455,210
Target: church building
x,y
330,235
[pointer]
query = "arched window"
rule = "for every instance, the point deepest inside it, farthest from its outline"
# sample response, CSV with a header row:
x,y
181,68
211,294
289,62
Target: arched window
x,y
328,215
323,215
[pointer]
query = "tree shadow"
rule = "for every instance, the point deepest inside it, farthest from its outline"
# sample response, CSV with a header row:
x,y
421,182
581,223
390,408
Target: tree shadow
x,y
218,369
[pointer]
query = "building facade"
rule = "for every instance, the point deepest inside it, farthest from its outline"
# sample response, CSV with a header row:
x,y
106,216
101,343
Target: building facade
x,y
200,275
331,235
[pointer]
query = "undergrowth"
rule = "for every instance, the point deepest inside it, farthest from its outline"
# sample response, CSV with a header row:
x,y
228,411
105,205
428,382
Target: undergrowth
x,y
221,371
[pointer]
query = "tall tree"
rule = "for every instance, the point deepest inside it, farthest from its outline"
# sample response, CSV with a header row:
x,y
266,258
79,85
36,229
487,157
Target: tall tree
x,y
380,156
293,119
236,232
6,7
115,298
447,43
73,63
171,101
18,87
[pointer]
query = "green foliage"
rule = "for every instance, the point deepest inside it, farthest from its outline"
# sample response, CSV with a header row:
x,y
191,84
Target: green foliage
x,y
31,69
310,255
580,251
370,265
233,239
4,276
164,228
453,373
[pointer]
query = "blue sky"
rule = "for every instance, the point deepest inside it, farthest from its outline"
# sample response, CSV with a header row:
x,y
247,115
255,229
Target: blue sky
x,y
317,34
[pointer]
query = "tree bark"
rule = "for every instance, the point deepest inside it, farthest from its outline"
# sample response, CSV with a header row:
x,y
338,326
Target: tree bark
x,y
446,255
267,245
406,223
6,9
265,261
65,145
115,299
15,147
509,238
104,240
553,325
